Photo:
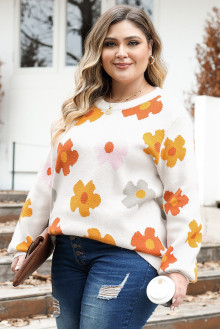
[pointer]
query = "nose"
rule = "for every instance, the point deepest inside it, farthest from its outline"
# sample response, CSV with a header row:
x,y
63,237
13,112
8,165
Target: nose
x,y
121,52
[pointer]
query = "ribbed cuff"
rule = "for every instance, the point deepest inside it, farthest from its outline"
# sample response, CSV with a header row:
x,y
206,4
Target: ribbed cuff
x,y
175,271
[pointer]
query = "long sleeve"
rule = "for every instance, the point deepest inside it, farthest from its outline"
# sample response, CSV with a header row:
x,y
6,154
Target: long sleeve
x,y
177,170
35,212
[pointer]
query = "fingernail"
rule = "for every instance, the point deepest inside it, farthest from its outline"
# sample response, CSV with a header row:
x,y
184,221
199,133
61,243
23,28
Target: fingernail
x,y
173,301
17,267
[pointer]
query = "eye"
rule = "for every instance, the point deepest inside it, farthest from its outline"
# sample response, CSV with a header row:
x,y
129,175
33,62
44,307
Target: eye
x,y
109,44
133,43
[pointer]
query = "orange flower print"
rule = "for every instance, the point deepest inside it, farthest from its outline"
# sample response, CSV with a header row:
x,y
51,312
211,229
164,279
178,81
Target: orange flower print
x,y
23,247
194,236
84,198
147,243
26,209
174,201
47,174
92,115
142,111
167,259
154,143
65,157
94,233
173,150
55,229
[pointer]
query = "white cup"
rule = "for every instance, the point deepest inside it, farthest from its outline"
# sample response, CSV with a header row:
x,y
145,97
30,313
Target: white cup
x,y
160,290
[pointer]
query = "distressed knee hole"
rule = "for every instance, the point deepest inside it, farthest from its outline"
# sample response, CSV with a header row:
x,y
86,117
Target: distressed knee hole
x,y
56,307
111,291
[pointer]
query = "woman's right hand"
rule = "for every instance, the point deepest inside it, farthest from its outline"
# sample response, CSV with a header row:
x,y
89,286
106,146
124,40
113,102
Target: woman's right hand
x,y
17,262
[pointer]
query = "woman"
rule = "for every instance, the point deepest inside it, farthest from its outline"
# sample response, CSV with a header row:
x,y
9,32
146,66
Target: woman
x,y
121,145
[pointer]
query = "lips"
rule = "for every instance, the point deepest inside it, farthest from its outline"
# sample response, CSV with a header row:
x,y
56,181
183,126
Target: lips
x,y
122,66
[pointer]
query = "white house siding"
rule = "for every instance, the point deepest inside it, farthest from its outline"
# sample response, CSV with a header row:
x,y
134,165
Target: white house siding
x,y
207,137
33,97
181,26
6,55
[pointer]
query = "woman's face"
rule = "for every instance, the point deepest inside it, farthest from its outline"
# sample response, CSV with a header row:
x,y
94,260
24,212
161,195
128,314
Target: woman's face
x,y
125,52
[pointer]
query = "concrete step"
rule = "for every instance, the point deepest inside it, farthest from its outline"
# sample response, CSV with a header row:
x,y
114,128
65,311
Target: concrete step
x,y
6,273
25,301
10,211
209,252
6,232
13,195
208,280
202,312
36,322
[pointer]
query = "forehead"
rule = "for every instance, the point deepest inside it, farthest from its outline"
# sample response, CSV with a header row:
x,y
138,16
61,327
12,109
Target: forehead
x,y
125,29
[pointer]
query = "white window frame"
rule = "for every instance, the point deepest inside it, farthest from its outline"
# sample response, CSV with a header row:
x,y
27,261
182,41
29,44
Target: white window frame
x,y
59,38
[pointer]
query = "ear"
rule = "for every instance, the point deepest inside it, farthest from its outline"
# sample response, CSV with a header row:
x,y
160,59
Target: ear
x,y
150,45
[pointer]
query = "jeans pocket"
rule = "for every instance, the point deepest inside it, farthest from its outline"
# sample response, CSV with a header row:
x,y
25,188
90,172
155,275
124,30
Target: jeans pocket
x,y
151,272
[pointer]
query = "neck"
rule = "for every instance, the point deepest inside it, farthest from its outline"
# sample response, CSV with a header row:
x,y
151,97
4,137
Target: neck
x,y
123,90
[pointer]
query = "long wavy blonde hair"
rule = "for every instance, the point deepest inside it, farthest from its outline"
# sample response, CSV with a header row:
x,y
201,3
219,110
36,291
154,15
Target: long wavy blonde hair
x,y
91,81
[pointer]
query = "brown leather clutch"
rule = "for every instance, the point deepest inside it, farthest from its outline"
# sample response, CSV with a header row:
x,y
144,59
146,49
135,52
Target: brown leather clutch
x,y
39,251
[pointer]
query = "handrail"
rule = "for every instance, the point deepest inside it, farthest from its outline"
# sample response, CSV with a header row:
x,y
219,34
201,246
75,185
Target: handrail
x,y
13,166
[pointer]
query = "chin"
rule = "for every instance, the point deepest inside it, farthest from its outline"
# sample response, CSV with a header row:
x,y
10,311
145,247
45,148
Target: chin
x,y
124,79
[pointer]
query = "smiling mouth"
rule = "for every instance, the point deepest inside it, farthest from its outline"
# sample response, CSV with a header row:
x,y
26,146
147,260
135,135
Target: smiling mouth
x,y
122,65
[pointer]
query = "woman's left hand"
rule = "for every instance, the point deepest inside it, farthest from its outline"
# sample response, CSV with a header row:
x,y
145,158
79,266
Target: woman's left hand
x,y
181,288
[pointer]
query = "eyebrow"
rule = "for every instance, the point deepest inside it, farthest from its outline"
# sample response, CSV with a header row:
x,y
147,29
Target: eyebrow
x,y
131,37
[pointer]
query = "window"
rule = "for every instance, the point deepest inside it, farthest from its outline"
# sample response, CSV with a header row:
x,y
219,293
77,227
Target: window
x,y
81,15
52,32
146,5
36,33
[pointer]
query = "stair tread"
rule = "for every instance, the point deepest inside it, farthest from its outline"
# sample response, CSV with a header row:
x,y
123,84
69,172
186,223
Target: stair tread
x,y
201,305
34,323
13,192
8,229
5,259
23,291
11,204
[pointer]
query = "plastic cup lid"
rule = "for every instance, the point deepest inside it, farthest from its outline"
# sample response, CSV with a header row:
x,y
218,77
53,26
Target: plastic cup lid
x,y
161,289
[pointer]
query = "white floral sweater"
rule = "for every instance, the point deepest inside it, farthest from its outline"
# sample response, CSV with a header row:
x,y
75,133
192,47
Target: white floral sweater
x,y
128,179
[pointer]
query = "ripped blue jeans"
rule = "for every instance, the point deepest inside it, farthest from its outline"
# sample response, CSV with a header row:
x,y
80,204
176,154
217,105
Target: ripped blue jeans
x,y
99,286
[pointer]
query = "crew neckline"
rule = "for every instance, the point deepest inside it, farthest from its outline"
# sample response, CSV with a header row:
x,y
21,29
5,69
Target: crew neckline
x,y
128,104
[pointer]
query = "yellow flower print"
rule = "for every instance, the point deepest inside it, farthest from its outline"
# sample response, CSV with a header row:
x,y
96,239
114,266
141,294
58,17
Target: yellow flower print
x,y
94,233
92,115
195,271
154,143
26,209
23,247
173,150
194,236
84,198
